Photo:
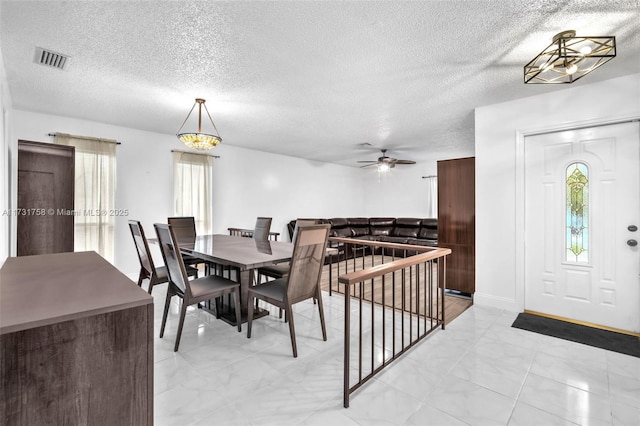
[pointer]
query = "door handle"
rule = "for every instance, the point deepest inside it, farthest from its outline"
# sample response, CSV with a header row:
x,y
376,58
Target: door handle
x,y
632,243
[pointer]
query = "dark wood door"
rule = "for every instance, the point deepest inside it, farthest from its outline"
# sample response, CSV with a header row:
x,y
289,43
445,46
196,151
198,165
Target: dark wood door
x,y
457,221
45,216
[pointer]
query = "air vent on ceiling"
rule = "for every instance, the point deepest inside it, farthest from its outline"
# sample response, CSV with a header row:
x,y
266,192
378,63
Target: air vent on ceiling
x,y
50,58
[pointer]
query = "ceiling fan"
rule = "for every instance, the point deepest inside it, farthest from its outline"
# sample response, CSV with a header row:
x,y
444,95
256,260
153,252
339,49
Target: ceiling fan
x,y
385,163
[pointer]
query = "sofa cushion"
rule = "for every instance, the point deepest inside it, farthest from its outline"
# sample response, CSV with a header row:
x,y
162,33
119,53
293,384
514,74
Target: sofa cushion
x,y
381,230
398,240
359,231
338,222
381,225
359,226
408,221
429,229
400,231
341,232
382,221
428,233
406,227
423,242
358,221
431,222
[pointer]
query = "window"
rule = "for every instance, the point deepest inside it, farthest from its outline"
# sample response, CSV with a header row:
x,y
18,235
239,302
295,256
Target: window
x,y
432,196
577,213
95,190
193,188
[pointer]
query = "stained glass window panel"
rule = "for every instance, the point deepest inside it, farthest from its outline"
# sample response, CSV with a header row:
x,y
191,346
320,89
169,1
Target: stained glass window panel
x,y
577,213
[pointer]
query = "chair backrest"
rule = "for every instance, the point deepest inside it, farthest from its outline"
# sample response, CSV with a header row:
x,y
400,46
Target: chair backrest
x,y
172,257
142,247
307,260
299,223
261,231
184,228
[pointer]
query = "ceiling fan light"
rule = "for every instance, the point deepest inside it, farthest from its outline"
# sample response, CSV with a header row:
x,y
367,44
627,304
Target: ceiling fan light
x,y
384,168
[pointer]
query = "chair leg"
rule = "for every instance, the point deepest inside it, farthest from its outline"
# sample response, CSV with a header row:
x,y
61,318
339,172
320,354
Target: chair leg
x,y
141,277
167,302
292,330
321,311
236,298
152,282
250,315
183,313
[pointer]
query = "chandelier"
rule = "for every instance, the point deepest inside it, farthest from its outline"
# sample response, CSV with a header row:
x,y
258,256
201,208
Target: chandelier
x,y
568,58
199,140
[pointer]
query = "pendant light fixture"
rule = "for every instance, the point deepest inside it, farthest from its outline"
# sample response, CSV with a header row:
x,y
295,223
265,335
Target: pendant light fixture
x,y
568,58
199,140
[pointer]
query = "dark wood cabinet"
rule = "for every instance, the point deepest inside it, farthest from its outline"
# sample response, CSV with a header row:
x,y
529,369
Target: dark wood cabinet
x,y
457,221
44,216
76,343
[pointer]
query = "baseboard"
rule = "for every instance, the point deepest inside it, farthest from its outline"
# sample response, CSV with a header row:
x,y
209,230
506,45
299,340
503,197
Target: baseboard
x,y
491,301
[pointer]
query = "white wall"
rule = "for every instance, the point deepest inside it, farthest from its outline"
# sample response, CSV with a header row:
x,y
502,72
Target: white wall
x,y
403,191
499,163
247,183
6,152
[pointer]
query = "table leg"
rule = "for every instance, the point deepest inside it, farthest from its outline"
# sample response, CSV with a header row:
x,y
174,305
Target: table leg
x,y
228,311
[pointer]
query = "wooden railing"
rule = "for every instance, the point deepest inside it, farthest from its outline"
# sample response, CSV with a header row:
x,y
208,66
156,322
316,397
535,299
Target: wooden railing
x,y
394,285
239,232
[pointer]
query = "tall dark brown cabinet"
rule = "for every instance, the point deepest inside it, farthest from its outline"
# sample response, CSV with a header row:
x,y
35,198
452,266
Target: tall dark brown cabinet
x,y
457,221
45,198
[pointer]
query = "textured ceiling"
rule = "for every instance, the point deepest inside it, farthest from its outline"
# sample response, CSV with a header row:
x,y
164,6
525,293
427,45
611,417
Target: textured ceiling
x,y
308,79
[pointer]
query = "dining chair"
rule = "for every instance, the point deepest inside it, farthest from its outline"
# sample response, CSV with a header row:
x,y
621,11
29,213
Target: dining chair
x,y
148,270
281,270
302,282
261,231
185,231
191,291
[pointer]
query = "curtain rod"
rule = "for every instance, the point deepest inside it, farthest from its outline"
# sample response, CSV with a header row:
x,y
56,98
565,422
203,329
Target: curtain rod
x,y
195,153
429,177
89,138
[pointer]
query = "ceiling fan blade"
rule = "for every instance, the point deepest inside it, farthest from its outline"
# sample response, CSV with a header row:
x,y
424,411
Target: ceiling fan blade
x,y
369,165
405,162
367,162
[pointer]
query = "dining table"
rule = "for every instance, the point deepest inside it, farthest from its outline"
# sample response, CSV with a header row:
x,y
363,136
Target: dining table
x,y
244,255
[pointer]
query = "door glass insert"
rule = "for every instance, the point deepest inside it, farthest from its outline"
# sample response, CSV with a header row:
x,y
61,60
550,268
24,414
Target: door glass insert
x,y
577,213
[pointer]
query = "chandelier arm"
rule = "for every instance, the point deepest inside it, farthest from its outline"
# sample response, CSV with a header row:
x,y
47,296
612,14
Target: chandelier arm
x,y
185,120
211,120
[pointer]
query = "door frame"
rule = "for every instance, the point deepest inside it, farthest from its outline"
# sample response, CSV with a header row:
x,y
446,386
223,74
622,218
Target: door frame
x,y
521,135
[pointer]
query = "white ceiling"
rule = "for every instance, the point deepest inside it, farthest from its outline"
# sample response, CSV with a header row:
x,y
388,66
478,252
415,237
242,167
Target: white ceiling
x,y
308,79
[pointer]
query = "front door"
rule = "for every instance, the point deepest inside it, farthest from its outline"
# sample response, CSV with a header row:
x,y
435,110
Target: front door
x,y
582,202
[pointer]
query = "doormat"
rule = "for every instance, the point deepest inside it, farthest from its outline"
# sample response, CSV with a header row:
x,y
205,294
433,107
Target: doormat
x,y
609,340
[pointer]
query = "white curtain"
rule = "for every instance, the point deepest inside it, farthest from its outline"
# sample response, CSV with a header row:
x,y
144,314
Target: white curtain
x,y
95,190
432,196
193,188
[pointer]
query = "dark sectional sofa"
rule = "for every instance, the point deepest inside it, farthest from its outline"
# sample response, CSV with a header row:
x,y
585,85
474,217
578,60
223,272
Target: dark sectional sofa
x,y
404,230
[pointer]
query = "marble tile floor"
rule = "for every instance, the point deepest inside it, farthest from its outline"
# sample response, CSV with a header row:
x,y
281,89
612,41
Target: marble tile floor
x,y
479,371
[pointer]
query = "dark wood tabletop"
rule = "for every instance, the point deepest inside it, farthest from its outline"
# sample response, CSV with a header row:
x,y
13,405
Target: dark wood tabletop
x,y
240,252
